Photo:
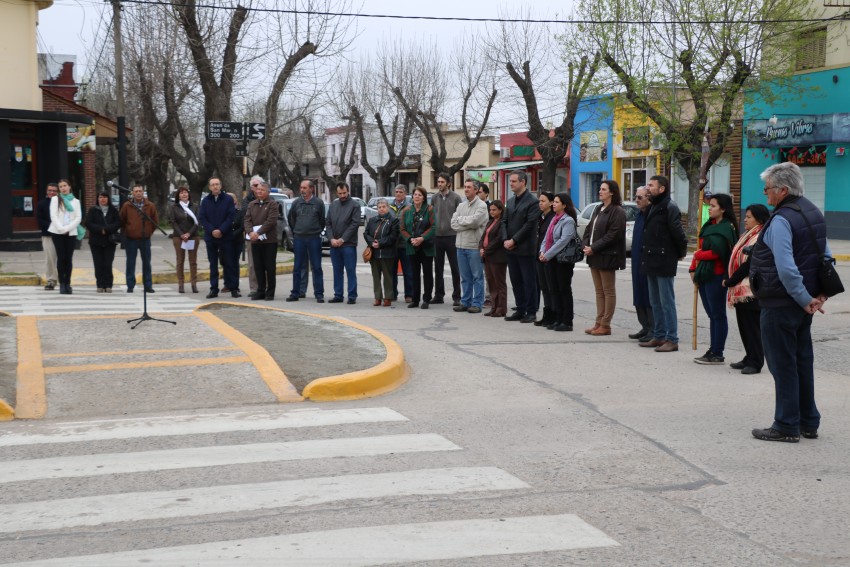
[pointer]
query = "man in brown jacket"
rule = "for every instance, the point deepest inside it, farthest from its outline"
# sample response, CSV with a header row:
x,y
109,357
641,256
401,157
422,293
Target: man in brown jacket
x,y
137,231
261,229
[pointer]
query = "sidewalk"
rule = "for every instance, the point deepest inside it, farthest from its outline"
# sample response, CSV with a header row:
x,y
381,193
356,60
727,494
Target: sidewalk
x,y
27,268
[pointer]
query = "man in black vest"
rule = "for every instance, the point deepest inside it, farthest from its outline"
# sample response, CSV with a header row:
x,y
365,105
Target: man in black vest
x,y
784,278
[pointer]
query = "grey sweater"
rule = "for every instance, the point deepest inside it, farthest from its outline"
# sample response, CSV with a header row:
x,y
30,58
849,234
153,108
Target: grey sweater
x,y
444,208
307,219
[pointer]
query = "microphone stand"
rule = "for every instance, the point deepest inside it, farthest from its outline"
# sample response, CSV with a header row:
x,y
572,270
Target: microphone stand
x,y
145,219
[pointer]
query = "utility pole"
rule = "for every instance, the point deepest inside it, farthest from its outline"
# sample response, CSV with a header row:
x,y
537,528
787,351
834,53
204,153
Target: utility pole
x,y
123,179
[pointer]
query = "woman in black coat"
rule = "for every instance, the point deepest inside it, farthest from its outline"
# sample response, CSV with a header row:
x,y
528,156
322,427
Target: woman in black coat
x,y
103,224
381,234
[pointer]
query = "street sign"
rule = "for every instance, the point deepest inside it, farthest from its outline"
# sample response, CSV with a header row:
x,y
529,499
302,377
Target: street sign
x,y
241,148
224,130
255,130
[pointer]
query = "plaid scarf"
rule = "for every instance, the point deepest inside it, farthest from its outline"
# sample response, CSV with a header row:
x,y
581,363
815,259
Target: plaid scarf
x,y
742,292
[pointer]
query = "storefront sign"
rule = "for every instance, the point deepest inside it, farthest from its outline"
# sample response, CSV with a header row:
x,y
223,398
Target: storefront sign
x,y
482,176
81,138
803,130
804,157
636,138
593,146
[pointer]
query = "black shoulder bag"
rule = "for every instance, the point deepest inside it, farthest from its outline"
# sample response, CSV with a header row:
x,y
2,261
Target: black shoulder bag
x,y
830,283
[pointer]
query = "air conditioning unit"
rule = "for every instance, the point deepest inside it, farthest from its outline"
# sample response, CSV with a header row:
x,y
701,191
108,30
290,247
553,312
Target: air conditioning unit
x,y
505,153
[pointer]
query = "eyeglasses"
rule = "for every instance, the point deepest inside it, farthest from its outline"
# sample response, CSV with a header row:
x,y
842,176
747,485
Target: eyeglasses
x,y
768,188
640,198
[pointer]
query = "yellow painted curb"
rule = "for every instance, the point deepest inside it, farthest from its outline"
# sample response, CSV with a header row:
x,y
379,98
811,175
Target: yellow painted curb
x,y
6,411
380,379
31,400
204,275
4,314
842,257
10,280
266,366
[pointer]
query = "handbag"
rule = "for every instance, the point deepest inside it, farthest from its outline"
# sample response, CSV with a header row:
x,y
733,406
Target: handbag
x,y
573,252
367,252
115,238
830,283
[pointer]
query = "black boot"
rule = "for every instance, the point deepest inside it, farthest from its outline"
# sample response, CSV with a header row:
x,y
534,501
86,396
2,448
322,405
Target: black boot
x,y
547,319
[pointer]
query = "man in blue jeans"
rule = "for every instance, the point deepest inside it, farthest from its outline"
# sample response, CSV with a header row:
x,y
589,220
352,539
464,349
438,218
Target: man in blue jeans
x,y
784,277
342,224
664,244
136,215
307,220
468,222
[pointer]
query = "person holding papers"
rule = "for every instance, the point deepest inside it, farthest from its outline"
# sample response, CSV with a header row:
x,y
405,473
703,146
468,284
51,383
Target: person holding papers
x,y
183,215
261,229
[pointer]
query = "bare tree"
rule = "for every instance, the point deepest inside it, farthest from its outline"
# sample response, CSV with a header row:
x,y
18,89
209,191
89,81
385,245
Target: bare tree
x,y
365,92
515,48
686,70
419,79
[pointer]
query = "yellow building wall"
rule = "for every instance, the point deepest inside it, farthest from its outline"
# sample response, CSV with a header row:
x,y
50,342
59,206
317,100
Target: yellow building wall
x,y
18,61
627,116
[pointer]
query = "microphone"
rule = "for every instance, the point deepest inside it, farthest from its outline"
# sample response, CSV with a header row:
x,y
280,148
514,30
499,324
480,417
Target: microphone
x,y
113,184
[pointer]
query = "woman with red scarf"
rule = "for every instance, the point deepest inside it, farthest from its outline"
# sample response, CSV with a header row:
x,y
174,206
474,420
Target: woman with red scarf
x,y
740,296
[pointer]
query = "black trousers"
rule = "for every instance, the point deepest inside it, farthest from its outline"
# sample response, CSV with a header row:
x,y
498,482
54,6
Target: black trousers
x,y
543,285
421,268
265,265
102,256
560,280
64,244
523,275
444,247
749,326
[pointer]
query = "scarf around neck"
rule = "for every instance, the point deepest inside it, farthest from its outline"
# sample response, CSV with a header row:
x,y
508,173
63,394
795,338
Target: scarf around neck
x,y
742,293
188,211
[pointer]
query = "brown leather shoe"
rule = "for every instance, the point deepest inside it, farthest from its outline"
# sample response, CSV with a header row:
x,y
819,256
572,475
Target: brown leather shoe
x,y
668,346
652,343
377,303
591,329
387,303
600,331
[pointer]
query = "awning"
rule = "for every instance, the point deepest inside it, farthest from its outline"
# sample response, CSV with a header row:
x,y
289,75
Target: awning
x,y
503,166
39,117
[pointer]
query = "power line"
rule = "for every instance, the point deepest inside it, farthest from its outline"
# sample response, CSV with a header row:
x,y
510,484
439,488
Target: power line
x,y
102,49
845,16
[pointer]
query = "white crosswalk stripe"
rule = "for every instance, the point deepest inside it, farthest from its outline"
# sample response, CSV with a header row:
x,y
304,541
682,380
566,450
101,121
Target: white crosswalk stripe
x,y
377,468
28,300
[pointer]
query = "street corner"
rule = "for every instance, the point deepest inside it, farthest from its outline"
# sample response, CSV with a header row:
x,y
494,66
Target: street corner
x,y
324,358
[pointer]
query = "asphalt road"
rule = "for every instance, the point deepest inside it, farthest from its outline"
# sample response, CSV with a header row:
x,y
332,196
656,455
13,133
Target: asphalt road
x,y
509,445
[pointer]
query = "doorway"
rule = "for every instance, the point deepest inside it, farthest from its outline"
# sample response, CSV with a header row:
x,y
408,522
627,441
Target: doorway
x,y
24,184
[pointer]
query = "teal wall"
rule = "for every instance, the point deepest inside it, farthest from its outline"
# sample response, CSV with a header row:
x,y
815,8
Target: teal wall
x,y
811,93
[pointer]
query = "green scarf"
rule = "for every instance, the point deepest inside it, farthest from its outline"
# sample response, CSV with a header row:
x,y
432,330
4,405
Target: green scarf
x,y
68,201
719,238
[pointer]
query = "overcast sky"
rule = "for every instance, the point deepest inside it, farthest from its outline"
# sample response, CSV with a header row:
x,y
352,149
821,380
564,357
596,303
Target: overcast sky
x,y
71,26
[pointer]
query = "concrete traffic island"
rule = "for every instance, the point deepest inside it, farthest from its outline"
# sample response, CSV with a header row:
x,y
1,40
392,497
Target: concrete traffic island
x,y
323,358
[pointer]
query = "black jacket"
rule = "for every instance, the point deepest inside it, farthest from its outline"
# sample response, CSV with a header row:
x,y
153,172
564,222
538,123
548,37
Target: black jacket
x,y
42,214
96,224
386,234
521,217
664,240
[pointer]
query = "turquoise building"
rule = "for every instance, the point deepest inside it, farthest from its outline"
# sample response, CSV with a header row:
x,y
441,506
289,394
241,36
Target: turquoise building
x,y
807,123
591,149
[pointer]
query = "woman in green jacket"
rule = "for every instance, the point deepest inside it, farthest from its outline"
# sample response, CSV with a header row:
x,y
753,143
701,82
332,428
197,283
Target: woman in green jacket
x,y
709,268
417,230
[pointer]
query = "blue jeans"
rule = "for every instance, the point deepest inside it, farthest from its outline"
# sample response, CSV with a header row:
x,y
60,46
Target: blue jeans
x,y
471,277
308,249
713,296
219,249
344,257
663,301
142,245
407,273
787,339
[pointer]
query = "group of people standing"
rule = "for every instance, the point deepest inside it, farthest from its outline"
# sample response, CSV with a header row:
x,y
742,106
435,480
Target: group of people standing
x,y
63,224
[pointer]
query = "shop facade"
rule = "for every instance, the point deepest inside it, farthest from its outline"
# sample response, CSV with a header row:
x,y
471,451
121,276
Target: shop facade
x,y
807,123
